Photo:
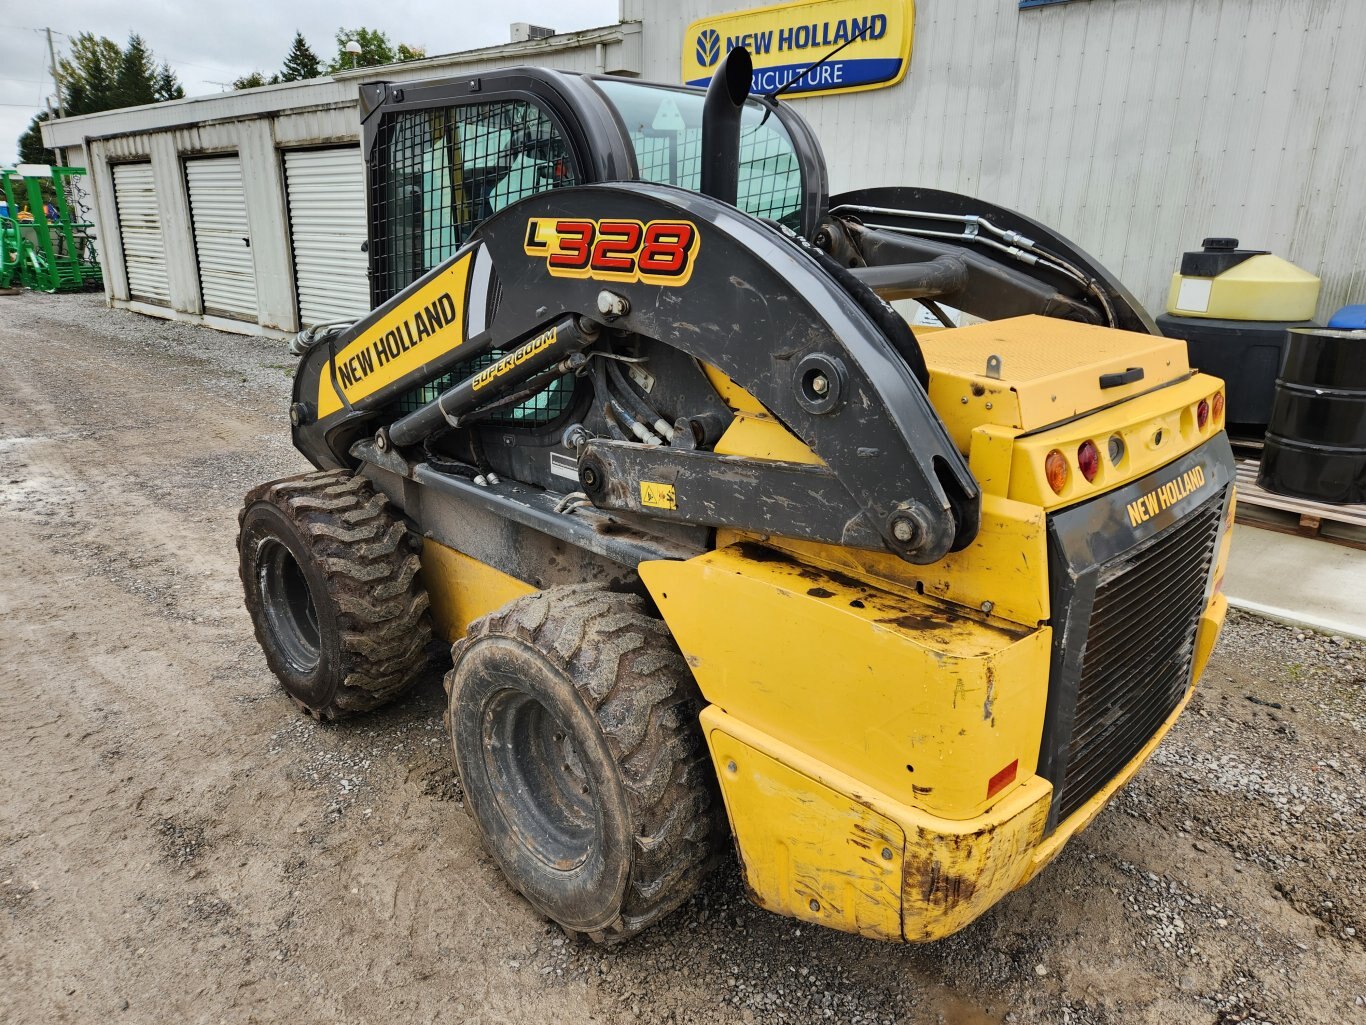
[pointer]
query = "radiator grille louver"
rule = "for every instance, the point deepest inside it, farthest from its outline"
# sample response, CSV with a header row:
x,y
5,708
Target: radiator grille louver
x,y
1140,642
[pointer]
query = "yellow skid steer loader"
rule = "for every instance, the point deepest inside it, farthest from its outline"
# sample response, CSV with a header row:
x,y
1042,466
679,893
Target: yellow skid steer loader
x,y
726,551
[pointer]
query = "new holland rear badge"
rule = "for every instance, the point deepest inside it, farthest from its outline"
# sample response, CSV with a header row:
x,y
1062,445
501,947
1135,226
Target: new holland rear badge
x,y
655,252
1145,507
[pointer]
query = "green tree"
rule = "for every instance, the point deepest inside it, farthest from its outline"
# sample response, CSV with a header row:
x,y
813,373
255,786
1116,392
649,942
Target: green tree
x,y
253,81
167,86
135,83
98,74
89,73
375,49
31,150
301,62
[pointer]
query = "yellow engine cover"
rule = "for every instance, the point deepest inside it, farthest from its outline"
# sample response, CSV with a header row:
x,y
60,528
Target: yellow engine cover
x,y
1050,371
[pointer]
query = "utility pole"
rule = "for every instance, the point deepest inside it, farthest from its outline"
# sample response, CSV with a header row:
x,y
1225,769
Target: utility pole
x,y
56,75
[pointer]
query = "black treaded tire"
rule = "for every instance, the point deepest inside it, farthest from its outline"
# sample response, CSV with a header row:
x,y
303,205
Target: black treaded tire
x,y
573,721
330,575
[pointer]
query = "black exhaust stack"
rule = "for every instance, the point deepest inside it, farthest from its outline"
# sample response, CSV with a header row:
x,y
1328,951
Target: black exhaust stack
x,y
721,126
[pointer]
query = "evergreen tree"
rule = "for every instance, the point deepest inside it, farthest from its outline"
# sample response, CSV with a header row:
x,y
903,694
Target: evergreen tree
x,y
97,74
31,149
89,73
301,62
167,85
253,81
135,83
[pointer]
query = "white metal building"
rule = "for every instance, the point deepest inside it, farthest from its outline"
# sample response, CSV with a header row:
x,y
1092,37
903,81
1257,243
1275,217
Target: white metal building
x,y
1136,127
246,210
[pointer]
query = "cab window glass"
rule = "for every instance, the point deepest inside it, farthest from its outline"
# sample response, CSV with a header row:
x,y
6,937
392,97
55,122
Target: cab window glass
x,y
436,174
665,126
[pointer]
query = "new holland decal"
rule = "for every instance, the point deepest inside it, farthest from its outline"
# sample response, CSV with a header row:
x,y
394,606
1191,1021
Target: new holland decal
x,y
655,252
785,39
427,324
1145,507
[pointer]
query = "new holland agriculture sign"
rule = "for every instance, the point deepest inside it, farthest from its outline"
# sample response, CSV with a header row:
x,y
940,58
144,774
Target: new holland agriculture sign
x,y
787,38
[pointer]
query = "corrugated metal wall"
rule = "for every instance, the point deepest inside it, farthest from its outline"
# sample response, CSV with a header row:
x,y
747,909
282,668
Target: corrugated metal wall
x,y
1136,127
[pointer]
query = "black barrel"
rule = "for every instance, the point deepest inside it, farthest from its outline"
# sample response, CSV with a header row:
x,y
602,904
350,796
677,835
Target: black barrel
x,y
1316,439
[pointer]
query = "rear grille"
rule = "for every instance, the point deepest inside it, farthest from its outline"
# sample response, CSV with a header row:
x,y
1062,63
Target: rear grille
x,y
1140,641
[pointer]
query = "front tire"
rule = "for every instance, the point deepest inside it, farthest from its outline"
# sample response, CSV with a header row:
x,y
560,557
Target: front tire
x,y
573,718
330,576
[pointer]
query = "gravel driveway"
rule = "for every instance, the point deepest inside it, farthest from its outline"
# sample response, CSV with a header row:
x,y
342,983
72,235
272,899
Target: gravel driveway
x,y
178,845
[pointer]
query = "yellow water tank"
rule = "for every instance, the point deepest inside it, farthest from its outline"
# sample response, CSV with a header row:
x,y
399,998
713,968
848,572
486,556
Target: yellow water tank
x,y
1224,282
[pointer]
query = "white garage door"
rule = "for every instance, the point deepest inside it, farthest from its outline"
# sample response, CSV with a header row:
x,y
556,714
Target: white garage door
x,y
218,208
327,228
144,253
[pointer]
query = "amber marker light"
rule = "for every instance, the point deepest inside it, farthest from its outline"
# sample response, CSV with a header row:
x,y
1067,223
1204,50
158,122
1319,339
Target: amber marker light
x,y
1218,406
1055,468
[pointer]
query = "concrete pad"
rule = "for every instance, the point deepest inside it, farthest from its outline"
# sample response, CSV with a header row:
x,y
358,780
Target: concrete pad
x,y
1298,580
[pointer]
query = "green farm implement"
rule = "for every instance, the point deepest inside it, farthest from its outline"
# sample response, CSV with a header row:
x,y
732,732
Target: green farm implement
x,y
45,242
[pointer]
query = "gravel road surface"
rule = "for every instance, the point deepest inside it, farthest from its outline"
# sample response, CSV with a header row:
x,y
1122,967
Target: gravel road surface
x,y
178,845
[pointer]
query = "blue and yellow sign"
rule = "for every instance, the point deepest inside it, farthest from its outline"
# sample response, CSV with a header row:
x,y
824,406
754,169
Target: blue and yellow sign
x,y
785,39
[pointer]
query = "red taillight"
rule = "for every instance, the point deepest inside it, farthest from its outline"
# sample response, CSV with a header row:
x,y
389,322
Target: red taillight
x,y
1055,468
1218,406
1088,459
1202,414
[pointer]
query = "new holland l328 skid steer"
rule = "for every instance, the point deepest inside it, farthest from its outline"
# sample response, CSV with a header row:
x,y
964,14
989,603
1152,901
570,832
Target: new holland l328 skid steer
x,y
726,551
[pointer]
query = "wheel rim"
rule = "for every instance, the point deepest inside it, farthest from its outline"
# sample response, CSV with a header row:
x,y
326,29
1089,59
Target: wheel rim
x,y
541,786
288,603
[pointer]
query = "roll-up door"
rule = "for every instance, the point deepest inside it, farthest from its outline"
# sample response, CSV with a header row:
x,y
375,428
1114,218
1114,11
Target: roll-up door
x,y
327,227
144,252
227,276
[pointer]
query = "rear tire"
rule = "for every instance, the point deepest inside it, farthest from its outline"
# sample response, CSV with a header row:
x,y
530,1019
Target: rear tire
x,y
330,576
573,719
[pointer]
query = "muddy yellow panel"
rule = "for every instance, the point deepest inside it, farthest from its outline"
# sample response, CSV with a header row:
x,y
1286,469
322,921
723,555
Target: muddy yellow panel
x,y
934,709
462,588
819,846
808,851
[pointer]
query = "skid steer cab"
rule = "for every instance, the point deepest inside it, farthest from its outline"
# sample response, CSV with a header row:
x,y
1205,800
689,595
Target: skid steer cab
x,y
728,555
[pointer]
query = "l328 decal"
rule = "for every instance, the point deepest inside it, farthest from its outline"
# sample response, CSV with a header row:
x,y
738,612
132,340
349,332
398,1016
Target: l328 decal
x,y
655,252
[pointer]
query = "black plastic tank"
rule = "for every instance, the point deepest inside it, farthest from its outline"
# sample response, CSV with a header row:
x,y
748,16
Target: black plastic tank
x,y
1316,438
1246,354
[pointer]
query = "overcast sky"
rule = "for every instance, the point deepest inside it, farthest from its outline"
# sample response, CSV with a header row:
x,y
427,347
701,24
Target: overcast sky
x,y
209,43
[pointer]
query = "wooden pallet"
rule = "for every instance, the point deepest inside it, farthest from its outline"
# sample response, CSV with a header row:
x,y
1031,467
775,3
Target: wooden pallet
x,y
1341,524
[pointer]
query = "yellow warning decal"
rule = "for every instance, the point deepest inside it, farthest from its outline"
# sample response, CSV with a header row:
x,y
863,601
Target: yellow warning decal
x,y
655,252
1147,506
657,496
428,324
